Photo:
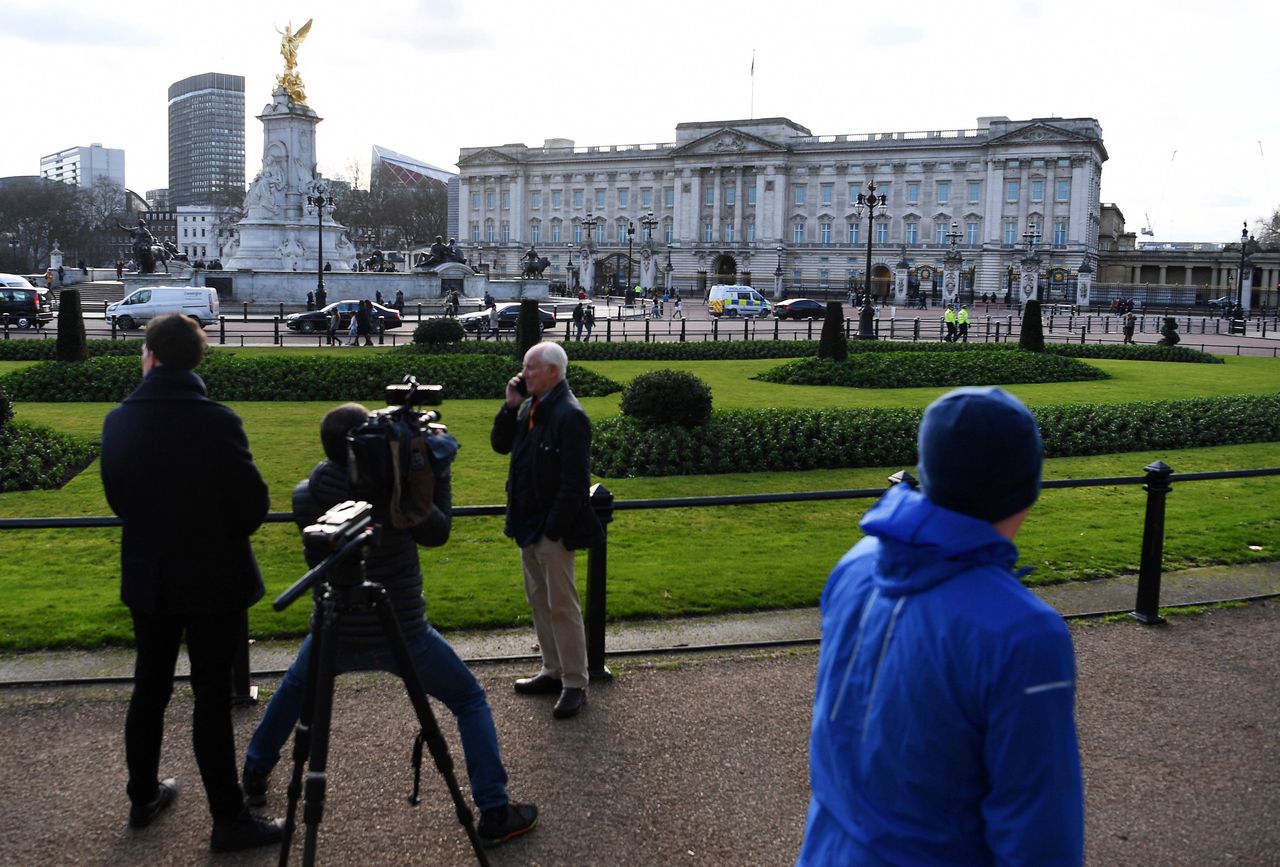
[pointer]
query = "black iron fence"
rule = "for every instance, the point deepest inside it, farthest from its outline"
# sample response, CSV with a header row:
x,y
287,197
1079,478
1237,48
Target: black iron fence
x,y
1157,480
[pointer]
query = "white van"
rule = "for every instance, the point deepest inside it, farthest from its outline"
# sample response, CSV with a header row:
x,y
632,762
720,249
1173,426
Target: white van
x,y
142,305
736,301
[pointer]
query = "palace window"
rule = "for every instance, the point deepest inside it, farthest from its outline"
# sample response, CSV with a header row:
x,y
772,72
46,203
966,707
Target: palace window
x,y
827,191
975,191
940,232
709,196
853,232
535,200
535,233
1012,190
944,192
577,200
506,200
913,193
599,200
882,232
1037,189
824,233
730,194
751,195
797,232
707,233
1063,190
1010,232
971,233
751,232
557,200
624,197
913,232
1060,233
801,194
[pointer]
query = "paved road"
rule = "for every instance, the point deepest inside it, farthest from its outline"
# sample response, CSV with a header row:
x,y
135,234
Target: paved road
x,y
695,760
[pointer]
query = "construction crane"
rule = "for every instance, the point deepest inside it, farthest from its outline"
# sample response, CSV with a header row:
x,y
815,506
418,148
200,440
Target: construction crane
x,y
1147,229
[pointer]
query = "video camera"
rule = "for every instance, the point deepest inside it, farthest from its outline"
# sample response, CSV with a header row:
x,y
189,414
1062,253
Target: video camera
x,y
392,458
336,535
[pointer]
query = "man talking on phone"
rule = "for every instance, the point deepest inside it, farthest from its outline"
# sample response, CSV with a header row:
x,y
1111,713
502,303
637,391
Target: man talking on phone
x,y
544,429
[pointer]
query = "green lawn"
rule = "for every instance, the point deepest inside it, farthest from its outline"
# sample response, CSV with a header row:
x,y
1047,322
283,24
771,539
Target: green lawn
x,y
63,589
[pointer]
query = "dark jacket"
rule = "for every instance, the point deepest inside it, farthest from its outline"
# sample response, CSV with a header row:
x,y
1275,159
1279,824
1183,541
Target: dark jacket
x,y
176,468
943,717
558,453
393,562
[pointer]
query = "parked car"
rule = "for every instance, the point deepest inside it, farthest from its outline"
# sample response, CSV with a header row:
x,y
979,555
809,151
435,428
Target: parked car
x,y
1220,303
318,320
26,305
800,308
508,313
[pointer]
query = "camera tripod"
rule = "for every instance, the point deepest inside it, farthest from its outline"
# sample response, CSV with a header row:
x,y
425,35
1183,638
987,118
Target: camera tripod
x,y
347,593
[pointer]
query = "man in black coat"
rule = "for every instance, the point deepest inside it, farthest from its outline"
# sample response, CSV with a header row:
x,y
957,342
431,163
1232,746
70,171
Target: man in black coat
x,y
548,514
177,470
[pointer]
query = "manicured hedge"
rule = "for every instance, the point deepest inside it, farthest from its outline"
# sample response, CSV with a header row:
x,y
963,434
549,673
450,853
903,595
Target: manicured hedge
x,y
36,458
919,369
1132,352
806,439
46,350
336,377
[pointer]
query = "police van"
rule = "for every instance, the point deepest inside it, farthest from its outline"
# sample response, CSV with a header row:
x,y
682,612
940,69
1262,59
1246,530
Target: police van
x,y
736,301
142,305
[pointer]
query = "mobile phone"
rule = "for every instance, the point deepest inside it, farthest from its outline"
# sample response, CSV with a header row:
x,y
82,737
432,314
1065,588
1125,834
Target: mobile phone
x,y
521,387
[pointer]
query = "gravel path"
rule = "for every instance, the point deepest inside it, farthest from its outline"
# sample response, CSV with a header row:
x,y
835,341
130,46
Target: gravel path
x,y
695,760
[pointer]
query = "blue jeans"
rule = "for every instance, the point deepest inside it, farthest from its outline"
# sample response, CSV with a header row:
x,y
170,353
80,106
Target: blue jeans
x,y
444,676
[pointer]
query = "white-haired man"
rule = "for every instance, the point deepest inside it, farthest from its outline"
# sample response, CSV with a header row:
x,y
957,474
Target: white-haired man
x,y
544,429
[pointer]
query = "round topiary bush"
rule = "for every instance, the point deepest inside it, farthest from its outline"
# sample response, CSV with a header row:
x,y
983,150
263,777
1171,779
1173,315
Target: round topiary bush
x,y
438,331
667,397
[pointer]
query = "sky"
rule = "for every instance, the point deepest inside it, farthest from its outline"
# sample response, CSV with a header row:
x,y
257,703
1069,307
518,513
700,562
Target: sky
x,y
1185,91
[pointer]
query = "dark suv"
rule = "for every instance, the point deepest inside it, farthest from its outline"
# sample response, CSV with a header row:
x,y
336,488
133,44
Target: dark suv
x,y
23,304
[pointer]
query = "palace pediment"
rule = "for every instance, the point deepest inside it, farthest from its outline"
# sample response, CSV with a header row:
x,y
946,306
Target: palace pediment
x,y
728,141
487,157
1041,132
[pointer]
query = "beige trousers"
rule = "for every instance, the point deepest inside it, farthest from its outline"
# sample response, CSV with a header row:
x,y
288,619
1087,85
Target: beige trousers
x,y
557,615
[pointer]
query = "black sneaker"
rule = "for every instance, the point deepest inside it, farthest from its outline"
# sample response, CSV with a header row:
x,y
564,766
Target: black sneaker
x,y
255,788
142,815
245,831
500,824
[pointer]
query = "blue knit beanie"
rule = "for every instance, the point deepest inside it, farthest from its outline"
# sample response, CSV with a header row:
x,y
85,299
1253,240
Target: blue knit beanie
x,y
980,453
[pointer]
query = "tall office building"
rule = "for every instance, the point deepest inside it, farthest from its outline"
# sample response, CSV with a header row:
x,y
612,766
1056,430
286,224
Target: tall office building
x,y
84,167
206,139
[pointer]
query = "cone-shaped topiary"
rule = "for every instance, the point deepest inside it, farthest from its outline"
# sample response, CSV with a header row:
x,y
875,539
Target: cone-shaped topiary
x,y
528,327
1169,332
833,344
71,340
1032,336
667,397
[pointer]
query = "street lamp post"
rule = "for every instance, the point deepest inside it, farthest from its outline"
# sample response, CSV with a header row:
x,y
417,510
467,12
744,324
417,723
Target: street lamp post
x,y
1246,247
874,206
319,202
589,247
631,234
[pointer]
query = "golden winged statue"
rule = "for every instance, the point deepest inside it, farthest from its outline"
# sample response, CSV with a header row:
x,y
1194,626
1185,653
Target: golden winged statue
x,y
290,80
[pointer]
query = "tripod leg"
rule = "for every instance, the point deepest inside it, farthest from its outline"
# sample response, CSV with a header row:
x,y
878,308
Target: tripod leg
x,y
426,718
302,735
322,717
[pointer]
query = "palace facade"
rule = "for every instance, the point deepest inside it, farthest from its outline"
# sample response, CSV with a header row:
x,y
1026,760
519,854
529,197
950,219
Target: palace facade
x,y
765,201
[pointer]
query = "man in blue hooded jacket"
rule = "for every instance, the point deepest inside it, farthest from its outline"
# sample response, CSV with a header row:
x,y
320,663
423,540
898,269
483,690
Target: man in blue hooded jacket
x,y
943,720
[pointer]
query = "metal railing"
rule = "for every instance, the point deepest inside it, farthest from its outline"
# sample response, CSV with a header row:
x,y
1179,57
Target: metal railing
x,y
1157,480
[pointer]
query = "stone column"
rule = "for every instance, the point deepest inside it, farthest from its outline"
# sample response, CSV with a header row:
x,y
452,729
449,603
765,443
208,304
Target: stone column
x,y
951,276
1029,280
1084,284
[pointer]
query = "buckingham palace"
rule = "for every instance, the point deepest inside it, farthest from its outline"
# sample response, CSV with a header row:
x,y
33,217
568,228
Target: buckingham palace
x,y
766,202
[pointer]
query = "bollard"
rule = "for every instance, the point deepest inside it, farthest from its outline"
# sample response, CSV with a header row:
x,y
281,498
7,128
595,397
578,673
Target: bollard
x,y
715,328
892,324
6,327
915,329
746,329
382,330
776,323
682,323
646,331
275,327
810,332
1083,332
597,583
1050,323
222,330
997,332
567,323
608,330
242,693
245,310
1147,605
281,309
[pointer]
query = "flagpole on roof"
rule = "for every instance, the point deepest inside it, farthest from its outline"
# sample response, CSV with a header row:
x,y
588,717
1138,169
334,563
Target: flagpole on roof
x,y
753,85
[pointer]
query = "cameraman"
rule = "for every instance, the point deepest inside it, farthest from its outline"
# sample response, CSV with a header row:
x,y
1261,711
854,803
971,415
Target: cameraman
x,y
393,563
